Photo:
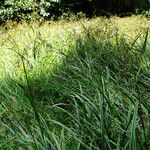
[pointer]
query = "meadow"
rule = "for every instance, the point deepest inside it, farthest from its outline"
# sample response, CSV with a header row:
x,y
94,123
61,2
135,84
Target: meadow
x,y
75,85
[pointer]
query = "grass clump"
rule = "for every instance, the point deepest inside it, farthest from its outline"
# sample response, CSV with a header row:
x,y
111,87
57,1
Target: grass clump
x,y
84,86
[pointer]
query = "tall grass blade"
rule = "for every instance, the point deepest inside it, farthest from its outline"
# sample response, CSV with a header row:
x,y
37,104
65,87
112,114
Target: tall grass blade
x,y
133,137
145,41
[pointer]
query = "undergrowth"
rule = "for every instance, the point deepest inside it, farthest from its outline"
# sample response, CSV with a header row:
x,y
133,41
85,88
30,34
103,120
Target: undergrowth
x,y
76,85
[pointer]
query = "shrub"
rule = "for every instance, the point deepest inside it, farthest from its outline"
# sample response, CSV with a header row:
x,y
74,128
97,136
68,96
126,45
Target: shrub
x,y
146,13
16,10
27,9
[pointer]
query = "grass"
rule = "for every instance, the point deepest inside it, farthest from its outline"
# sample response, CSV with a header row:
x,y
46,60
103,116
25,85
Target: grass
x,y
75,85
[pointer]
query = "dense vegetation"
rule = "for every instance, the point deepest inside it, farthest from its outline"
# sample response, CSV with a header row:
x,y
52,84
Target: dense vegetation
x,y
75,85
79,83
36,9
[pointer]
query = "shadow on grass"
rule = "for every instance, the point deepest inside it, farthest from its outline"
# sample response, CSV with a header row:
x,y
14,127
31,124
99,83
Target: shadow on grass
x,y
104,67
123,61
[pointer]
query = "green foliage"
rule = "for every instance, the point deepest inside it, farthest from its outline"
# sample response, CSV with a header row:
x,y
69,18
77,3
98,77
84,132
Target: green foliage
x,y
49,9
146,13
27,9
12,9
84,86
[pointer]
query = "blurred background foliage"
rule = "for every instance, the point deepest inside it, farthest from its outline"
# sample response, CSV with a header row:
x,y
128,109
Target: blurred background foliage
x,y
35,9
